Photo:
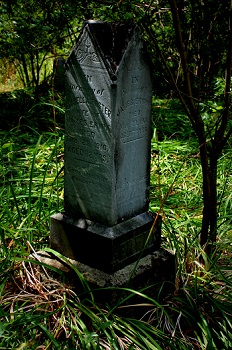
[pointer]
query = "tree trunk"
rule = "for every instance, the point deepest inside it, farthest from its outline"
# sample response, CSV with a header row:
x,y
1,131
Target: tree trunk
x,y
25,70
213,194
206,189
210,149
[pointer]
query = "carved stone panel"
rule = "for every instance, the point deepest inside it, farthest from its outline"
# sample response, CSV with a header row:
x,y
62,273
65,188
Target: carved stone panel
x,y
107,125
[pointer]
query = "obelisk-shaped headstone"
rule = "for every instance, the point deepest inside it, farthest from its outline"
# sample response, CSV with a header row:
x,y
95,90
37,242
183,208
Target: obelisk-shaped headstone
x,y
107,150
107,142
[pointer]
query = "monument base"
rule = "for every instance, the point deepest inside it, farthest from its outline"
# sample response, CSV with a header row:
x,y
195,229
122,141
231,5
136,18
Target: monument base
x,y
108,249
155,269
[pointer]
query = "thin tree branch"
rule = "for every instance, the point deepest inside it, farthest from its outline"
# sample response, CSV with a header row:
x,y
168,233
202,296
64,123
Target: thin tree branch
x,y
173,82
227,94
183,56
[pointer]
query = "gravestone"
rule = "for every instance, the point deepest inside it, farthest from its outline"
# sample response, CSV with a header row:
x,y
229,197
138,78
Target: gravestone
x,y
106,224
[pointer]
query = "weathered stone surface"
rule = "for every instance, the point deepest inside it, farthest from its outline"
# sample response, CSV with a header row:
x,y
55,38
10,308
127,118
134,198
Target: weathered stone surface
x,y
105,248
157,267
108,126
105,224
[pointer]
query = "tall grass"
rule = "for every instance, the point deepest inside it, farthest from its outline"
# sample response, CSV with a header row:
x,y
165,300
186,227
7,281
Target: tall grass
x,y
38,311
31,185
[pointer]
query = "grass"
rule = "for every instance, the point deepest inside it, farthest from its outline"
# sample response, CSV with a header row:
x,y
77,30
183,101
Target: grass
x,y
31,186
38,311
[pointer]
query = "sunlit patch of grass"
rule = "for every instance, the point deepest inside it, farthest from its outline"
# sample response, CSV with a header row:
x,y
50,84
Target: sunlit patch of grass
x,y
170,158
9,79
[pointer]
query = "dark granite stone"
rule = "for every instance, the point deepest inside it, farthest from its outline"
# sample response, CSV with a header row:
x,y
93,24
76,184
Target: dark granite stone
x,y
108,127
105,223
105,248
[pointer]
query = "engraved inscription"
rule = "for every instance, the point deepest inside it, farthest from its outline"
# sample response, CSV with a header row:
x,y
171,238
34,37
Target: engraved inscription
x,y
89,102
98,91
135,80
134,134
89,78
133,102
107,134
133,245
89,154
82,122
81,88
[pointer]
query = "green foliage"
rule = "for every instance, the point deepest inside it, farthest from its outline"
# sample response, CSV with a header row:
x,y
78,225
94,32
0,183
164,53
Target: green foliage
x,y
176,158
38,310
33,31
167,114
205,35
30,184
19,108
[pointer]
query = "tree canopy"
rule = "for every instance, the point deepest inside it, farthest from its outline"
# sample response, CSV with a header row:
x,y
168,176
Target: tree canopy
x,y
33,30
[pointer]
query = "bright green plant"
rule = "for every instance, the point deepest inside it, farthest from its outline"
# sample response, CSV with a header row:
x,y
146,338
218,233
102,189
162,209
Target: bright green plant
x,y
31,187
39,309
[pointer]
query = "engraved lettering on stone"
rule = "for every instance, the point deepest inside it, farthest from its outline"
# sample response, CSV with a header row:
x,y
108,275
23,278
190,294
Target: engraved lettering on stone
x,y
107,124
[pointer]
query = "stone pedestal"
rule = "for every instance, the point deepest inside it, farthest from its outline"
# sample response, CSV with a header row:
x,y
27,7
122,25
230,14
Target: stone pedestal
x,y
155,270
105,248
106,224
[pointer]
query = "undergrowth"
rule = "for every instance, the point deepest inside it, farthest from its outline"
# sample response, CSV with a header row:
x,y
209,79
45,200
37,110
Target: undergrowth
x,y
39,311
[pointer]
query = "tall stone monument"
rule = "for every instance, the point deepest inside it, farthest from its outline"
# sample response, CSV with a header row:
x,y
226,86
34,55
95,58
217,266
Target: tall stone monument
x,y
106,224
